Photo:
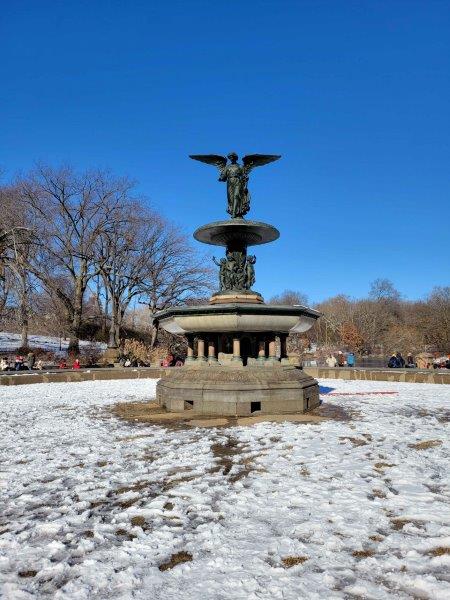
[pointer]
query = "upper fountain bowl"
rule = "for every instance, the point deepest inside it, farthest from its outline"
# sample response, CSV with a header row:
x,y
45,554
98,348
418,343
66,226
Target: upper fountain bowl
x,y
236,232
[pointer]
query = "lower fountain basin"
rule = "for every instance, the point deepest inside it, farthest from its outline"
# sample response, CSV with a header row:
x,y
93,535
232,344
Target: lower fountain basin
x,y
225,391
236,317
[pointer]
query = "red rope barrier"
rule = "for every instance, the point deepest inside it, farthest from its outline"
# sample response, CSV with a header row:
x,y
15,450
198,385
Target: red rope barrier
x,y
359,393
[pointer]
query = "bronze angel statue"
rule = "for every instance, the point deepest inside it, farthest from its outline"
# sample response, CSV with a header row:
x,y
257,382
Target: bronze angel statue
x,y
236,176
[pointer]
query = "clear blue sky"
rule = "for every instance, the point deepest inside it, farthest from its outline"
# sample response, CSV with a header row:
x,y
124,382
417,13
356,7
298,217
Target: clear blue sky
x,y
354,95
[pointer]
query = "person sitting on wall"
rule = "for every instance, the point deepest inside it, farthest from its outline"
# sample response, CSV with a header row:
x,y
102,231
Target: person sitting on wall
x,y
76,364
393,362
168,361
410,364
341,359
350,359
62,364
4,366
400,360
331,361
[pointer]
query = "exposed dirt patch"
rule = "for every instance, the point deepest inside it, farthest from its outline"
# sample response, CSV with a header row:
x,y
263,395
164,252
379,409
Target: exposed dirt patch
x,y
135,487
123,533
224,452
378,494
30,573
175,559
363,553
400,522
376,538
425,444
304,471
292,561
381,466
88,534
354,441
139,521
168,506
151,412
171,483
440,551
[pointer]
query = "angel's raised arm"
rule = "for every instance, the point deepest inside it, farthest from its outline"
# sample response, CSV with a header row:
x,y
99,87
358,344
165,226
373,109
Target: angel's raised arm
x,y
258,160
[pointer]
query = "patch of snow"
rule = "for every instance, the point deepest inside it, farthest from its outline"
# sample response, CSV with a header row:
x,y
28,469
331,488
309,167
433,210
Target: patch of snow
x,y
93,505
9,342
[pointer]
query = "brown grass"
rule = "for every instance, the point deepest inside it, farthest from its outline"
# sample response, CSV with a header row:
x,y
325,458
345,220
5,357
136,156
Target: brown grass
x,y
354,441
292,561
363,553
135,487
440,551
175,559
171,483
425,444
125,534
138,521
380,466
30,573
400,522
378,493
88,534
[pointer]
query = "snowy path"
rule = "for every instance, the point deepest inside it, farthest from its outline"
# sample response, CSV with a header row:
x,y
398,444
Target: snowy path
x,y
91,506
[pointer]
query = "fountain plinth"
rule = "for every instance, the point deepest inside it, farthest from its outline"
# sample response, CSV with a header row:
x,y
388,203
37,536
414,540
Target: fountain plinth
x,y
237,362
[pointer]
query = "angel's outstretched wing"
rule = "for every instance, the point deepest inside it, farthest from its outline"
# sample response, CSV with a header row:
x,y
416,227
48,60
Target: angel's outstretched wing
x,y
258,160
211,159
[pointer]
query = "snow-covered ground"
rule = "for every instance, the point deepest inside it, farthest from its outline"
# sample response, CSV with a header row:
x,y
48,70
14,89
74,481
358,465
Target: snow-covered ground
x,y
93,506
9,342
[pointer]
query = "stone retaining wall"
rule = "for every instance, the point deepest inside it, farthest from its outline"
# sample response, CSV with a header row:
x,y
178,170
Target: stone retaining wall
x,y
82,375
406,375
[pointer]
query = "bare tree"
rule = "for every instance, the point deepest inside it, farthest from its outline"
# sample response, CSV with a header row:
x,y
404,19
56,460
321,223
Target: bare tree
x,y
383,289
68,214
125,252
15,250
290,298
174,273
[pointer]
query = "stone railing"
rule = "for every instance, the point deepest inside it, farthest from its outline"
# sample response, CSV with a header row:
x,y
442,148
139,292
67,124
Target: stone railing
x,y
67,375
374,374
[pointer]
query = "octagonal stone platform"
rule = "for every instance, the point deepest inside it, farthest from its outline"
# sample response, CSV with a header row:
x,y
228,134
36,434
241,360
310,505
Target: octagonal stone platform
x,y
230,392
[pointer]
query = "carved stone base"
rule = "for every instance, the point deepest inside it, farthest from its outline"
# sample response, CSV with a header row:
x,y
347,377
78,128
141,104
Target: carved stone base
x,y
230,392
236,297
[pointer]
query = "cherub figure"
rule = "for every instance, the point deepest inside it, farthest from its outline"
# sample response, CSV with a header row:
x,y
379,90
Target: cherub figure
x,y
222,264
236,176
250,272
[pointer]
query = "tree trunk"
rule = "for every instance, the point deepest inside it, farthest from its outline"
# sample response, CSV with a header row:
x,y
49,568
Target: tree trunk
x,y
75,325
23,309
113,325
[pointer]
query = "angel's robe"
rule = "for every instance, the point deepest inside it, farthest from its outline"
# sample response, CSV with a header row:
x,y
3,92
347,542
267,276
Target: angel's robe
x,y
235,177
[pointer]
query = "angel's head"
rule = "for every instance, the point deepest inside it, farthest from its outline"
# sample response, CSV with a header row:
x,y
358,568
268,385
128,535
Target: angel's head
x,y
233,157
